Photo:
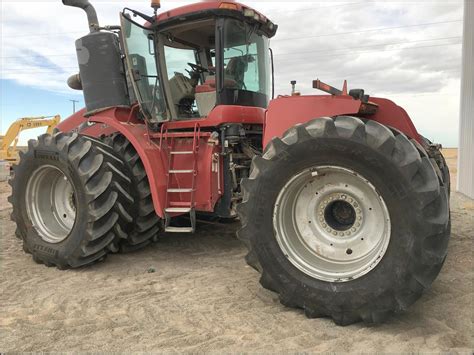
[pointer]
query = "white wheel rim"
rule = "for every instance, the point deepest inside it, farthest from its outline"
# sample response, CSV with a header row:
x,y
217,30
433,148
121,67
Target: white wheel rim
x,y
331,223
50,203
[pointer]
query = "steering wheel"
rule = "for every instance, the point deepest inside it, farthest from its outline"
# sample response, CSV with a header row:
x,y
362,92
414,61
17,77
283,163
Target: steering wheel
x,y
199,68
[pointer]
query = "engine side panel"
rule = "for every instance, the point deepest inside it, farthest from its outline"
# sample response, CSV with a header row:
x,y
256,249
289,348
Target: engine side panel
x,y
287,111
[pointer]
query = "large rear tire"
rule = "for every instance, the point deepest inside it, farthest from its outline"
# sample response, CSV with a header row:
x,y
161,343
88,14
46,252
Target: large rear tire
x,y
69,195
144,227
345,219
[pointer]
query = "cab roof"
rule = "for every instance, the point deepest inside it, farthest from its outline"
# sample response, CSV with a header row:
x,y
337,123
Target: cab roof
x,y
203,6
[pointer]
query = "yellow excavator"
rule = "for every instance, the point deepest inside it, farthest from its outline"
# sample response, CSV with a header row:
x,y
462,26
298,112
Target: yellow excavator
x,y
8,142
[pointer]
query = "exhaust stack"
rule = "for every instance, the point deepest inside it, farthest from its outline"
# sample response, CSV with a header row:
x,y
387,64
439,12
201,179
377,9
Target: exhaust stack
x,y
90,11
101,70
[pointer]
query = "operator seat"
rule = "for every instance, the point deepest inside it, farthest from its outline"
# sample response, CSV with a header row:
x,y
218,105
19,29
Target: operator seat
x,y
206,93
182,93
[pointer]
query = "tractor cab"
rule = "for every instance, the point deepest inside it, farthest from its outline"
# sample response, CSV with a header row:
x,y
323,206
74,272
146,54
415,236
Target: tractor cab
x,y
185,62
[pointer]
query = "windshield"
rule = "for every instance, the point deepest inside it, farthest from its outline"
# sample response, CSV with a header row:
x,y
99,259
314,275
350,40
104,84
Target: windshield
x,y
141,61
246,63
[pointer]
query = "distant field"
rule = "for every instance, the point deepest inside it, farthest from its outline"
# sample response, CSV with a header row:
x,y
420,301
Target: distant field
x,y
451,156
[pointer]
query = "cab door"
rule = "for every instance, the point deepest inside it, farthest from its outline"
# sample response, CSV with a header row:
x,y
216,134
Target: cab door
x,y
142,62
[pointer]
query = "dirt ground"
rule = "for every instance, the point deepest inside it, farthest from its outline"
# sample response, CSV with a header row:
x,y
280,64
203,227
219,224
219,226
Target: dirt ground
x,y
202,297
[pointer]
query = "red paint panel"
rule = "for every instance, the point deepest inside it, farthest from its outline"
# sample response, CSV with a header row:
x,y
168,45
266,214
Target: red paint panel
x,y
389,114
223,114
155,160
200,6
208,179
287,111
72,122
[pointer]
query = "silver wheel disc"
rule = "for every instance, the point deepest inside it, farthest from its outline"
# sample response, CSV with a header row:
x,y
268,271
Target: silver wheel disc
x,y
331,223
50,203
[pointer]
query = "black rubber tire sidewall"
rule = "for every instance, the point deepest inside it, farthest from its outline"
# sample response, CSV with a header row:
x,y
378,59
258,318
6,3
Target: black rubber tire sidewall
x,y
31,161
394,268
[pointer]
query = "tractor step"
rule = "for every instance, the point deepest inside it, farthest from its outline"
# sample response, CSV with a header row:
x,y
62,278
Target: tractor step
x,y
181,171
180,204
184,152
180,190
179,229
178,209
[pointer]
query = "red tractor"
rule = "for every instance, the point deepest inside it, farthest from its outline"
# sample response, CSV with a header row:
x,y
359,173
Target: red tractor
x,y
344,206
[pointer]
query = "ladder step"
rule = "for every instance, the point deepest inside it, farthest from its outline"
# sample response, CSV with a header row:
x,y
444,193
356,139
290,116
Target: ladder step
x,y
179,204
181,171
178,209
180,190
179,229
177,152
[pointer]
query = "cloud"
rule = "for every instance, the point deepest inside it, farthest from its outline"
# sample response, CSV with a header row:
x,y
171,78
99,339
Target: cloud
x,y
329,40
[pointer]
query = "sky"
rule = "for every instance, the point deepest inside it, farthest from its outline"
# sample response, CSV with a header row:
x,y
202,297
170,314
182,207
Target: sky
x,y
407,51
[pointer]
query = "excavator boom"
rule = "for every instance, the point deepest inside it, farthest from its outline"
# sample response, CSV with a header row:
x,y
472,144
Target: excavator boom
x,y
8,142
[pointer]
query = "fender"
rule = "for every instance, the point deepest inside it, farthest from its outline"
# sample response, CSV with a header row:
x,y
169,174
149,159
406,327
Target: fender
x,y
123,120
391,115
287,111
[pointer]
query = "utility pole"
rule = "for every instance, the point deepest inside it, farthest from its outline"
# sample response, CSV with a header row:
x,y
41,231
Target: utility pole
x,y
74,105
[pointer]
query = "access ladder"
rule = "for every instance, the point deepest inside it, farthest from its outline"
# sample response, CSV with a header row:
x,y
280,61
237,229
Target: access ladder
x,y
175,208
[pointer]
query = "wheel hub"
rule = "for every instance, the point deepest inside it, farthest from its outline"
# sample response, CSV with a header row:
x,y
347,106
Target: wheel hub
x,y
331,223
51,203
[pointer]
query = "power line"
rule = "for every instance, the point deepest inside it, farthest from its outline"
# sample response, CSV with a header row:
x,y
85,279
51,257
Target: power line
x,y
359,75
337,5
276,57
321,7
370,46
381,50
43,34
39,56
277,39
38,70
366,30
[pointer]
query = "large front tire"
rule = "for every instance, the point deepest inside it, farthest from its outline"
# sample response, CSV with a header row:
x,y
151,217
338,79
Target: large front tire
x,y
394,231
69,196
